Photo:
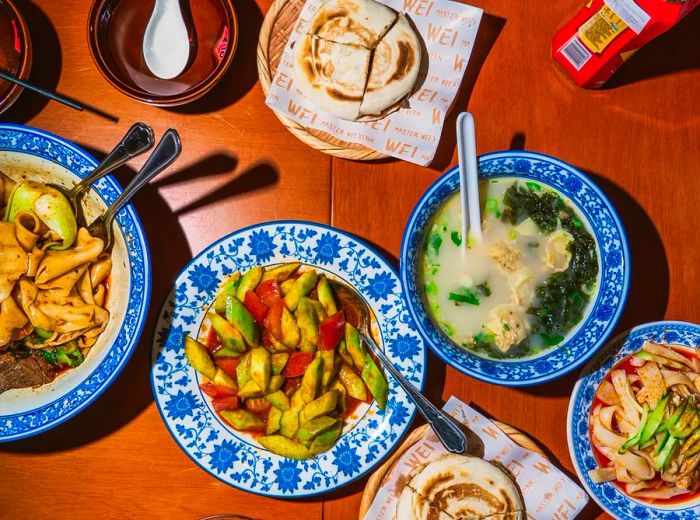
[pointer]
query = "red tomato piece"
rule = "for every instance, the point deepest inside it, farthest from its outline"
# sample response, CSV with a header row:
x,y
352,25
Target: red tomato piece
x,y
255,305
297,363
225,403
273,320
269,292
215,391
331,331
228,364
213,342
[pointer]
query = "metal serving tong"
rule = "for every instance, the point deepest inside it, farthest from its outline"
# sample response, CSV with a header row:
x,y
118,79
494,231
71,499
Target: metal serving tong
x,y
165,153
445,427
137,140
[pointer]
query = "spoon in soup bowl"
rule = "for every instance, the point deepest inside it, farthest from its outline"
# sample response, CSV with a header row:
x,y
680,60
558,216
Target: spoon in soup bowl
x,y
469,178
166,45
445,427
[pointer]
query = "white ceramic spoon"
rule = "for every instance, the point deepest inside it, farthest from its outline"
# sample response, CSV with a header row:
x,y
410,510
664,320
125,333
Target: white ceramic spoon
x,y
469,178
166,45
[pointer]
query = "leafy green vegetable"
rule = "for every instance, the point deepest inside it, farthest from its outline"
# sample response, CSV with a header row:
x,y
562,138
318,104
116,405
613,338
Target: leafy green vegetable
x,y
449,329
434,243
68,355
48,355
42,333
456,238
522,202
550,341
465,295
563,297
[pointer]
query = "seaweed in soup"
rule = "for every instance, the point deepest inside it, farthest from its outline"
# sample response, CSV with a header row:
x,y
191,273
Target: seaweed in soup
x,y
563,297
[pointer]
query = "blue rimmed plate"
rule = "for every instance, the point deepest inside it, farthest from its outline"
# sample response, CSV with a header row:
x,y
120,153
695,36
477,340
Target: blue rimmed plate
x,y
609,496
234,457
605,306
31,153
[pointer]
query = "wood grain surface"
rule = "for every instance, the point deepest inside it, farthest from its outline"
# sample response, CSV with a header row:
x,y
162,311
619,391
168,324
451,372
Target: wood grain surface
x,y
639,138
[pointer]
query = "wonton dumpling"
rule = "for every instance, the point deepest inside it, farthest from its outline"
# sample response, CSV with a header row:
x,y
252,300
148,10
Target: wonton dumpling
x,y
507,257
522,288
508,325
557,254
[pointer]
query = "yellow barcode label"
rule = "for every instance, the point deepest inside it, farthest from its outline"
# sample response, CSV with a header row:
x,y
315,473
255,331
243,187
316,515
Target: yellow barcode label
x,y
601,29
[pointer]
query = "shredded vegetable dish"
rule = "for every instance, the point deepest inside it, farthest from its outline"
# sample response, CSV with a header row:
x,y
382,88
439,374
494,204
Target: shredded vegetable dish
x,y
645,424
54,281
282,362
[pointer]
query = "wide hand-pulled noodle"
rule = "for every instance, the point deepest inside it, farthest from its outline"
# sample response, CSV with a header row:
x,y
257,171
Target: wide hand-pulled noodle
x,y
645,422
52,298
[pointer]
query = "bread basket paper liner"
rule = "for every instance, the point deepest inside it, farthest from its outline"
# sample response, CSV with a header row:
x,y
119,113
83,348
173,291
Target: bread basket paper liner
x,y
448,30
548,493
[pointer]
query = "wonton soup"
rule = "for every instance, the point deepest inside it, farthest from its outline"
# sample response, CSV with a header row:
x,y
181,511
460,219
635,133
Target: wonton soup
x,y
521,289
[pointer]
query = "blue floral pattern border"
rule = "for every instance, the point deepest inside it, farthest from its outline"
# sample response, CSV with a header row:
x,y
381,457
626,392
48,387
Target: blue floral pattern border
x,y
22,139
613,283
236,458
608,496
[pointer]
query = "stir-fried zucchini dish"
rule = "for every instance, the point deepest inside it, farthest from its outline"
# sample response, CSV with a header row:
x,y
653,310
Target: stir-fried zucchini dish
x,y
282,362
645,424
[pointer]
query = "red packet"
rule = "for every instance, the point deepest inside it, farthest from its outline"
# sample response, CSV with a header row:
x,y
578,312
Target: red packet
x,y
605,33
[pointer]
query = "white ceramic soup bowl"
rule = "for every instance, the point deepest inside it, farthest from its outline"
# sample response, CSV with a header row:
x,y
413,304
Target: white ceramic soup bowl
x,y
29,153
606,303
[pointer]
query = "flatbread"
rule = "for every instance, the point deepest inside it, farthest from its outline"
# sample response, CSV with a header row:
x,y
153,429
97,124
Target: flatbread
x,y
395,67
332,75
462,487
412,506
358,22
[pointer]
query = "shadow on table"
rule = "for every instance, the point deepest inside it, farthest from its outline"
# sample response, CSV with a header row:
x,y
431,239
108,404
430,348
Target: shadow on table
x,y
675,51
489,30
243,72
649,281
46,63
131,393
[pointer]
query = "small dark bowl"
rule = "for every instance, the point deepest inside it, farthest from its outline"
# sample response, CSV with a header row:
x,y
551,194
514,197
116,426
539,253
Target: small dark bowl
x,y
115,37
15,52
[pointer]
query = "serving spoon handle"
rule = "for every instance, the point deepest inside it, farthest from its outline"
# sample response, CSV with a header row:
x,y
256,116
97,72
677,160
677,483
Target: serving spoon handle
x,y
165,153
137,140
447,429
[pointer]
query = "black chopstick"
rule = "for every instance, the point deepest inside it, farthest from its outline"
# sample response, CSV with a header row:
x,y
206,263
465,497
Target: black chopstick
x,y
39,90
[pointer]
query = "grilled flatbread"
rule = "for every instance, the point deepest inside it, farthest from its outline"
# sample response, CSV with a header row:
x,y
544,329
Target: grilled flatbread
x,y
412,506
395,67
332,75
461,487
359,22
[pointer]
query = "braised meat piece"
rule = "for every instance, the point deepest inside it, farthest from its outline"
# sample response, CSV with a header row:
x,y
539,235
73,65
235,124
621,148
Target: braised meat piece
x,y
23,370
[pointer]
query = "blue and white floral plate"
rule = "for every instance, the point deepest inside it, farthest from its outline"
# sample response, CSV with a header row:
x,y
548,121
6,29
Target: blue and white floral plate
x,y
234,457
31,153
609,496
605,306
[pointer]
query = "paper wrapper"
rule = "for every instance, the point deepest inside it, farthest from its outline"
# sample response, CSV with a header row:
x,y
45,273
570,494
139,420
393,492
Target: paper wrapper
x,y
448,30
548,493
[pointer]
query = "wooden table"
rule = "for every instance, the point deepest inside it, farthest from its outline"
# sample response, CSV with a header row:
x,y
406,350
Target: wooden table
x,y
639,139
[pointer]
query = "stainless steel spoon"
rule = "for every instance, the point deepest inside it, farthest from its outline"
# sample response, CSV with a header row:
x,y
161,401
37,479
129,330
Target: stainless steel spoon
x,y
137,140
445,427
165,153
